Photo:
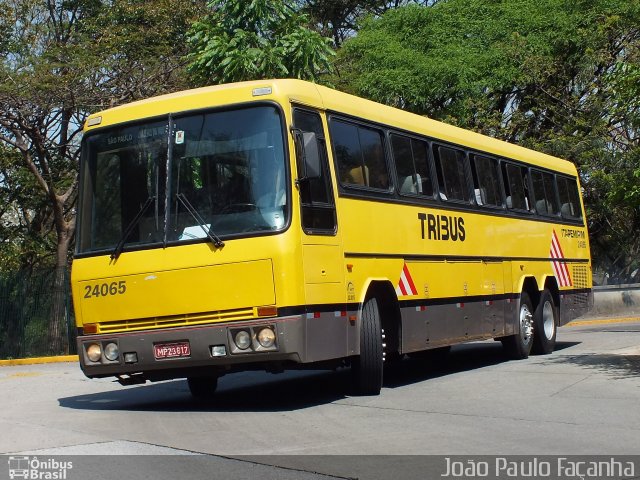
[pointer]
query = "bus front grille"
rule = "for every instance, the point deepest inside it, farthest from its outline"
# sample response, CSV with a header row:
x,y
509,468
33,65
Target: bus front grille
x,y
176,321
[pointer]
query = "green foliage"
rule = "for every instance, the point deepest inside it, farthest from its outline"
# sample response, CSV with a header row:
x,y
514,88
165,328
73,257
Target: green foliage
x,y
338,18
253,39
59,62
555,75
24,237
138,48
561,76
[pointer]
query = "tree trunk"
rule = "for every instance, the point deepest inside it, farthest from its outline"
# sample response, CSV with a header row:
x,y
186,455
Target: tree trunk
x,y
58,334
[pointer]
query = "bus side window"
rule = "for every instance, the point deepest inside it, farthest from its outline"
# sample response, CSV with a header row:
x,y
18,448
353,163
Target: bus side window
x,y
544,193
344,137
538,192
516,186
423,170
452,179
569,198
486,178
373,157
412,165
549,183
359,152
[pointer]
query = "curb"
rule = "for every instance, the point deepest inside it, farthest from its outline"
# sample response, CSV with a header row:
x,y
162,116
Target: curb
x,y
603,321
36,360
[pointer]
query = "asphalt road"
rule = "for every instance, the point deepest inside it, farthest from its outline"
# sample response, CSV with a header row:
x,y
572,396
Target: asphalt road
x,y
581,400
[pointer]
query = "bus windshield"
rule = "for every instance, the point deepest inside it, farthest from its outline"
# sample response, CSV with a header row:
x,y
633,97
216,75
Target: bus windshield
x,y
178,179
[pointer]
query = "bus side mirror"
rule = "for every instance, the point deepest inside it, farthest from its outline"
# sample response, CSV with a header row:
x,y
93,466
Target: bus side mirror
x,y
308,154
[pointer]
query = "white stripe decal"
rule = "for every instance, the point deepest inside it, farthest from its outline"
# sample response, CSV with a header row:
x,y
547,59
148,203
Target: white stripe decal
x,y
406,286
560,268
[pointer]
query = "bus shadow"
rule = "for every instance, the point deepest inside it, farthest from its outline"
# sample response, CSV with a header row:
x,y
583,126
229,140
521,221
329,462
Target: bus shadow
x,y
240,392
462,358
562,345
291,390
618,366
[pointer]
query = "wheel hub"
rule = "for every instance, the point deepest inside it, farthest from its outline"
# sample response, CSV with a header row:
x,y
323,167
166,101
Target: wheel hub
x,y
548,320
526,323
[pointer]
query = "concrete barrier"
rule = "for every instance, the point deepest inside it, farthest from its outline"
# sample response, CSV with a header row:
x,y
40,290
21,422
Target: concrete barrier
x,y
616,300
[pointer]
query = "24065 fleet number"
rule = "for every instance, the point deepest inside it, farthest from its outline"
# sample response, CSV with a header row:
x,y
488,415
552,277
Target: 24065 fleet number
x,y
105,289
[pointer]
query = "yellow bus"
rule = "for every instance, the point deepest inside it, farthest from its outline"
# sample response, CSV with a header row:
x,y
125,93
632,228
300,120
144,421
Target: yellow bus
x,y
280,224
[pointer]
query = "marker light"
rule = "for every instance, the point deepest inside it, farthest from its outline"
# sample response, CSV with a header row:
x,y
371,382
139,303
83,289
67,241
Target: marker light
x,y
111,352
266,337
94,352
90,328
243,339
267,311
257,92
93,121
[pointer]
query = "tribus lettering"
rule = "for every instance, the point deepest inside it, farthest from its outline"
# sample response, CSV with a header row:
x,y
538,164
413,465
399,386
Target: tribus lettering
x,y
441,227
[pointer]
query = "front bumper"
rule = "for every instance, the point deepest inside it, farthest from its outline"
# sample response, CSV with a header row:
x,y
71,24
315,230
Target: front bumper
x,y
289,346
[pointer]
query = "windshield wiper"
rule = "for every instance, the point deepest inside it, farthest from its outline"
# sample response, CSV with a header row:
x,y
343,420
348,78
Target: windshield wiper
x,y
118,250
194,213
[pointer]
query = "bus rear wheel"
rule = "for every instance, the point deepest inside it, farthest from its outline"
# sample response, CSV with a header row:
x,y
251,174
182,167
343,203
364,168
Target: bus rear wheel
x,y
518,346
368,367
545,324
202,388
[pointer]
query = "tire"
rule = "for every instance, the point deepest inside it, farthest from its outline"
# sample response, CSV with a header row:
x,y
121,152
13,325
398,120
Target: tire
x,y
367,368
518,346
545,325
202,388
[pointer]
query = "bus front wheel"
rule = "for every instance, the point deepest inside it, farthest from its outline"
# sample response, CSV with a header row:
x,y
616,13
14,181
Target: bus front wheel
x,y
518,346
202,388
367,368
545,323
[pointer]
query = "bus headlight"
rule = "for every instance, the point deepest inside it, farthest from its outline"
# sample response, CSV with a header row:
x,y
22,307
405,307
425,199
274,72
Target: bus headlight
x,y
243,339
111,352
94,352
266,337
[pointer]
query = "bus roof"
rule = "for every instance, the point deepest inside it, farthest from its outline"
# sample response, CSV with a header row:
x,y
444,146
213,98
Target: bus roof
x,y
285,91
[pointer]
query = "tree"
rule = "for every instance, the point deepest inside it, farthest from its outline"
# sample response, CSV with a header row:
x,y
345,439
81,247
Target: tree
x,y
614,181
26,236
253,39
61,60
552,75
339,19
138,48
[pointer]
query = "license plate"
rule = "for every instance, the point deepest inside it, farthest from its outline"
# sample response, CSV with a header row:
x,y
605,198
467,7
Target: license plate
x,y
172,350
